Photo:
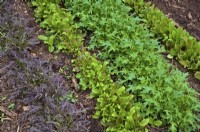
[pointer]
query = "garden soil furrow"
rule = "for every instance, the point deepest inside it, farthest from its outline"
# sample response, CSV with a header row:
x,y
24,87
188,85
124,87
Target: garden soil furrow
x,y
186,14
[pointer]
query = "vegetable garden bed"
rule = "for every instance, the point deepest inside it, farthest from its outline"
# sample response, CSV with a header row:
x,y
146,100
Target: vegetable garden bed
x,y
186,14
112,50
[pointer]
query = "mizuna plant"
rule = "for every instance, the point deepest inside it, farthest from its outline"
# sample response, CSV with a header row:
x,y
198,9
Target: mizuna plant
x,y
135,62
115,107
177,41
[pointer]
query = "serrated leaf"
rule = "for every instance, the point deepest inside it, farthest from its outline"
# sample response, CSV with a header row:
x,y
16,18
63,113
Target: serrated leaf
x,y
129,118
114,114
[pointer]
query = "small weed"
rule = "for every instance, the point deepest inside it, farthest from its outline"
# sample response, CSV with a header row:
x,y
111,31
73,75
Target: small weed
x,y
55,57
11,106
63,70
72,97
3,98
2,34
2,116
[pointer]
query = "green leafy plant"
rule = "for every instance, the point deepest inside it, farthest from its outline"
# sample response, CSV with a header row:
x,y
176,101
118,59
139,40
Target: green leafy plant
x,y
3,98
197,75
93,74
131,56
71,97
59,26
135,62
11,106
115,107
177,41
2,116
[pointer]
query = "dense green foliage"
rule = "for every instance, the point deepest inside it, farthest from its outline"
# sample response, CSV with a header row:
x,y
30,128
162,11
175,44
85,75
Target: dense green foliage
x,y
176,40
134,61
59,27
131,55
114,106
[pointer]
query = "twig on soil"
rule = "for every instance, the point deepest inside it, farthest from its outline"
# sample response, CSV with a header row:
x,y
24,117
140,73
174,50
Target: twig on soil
x,y
18,129
178,7
8,119
74,81
9,113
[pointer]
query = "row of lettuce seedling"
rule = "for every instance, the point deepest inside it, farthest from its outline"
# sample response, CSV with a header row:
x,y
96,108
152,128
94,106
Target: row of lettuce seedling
x,y
159,93
179,43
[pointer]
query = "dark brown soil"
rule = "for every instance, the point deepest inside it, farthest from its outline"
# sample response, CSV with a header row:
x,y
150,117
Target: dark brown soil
x,y
186,13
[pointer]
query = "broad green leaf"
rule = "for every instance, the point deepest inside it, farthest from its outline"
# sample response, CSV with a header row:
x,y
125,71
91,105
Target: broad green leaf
x,y
51,40
184,63
132,110
43,38
197,75
51,48
158,123
120,90
169,56
144,122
